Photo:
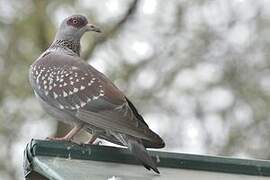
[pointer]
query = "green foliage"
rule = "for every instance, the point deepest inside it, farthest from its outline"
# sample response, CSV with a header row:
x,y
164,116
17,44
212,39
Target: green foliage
x,y
197,70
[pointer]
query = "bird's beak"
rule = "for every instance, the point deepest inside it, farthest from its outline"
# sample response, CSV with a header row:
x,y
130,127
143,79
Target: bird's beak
x,y
91,27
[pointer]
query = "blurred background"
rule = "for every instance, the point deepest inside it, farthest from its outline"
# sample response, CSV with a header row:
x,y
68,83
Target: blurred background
x,y
198,71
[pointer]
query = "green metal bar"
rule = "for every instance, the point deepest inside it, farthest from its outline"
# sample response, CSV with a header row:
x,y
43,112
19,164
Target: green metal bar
x,y
170,160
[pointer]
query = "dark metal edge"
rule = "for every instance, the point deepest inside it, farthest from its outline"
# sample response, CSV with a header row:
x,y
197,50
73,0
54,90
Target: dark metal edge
x,y
166,159
29,173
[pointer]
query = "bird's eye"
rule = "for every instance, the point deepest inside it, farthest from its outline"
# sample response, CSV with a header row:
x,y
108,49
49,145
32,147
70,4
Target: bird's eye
x,y
74,21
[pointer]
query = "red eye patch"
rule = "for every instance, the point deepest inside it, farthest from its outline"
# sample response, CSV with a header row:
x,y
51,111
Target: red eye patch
x,y
77,22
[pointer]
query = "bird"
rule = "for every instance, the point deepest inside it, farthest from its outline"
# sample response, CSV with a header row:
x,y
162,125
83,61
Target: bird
x,y
74,92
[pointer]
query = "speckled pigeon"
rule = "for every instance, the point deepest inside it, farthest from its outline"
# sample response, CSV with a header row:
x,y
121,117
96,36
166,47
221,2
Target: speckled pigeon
x,y
74,92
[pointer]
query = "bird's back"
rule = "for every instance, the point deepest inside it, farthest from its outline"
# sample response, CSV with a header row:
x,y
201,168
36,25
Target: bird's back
x,y
69,84
69,88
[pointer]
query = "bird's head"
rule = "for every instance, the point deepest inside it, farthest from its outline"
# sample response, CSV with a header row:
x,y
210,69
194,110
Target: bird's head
x,y
73,27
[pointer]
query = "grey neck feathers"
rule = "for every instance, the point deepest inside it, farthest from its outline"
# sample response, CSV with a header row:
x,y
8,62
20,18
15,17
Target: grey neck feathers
x,y
67,45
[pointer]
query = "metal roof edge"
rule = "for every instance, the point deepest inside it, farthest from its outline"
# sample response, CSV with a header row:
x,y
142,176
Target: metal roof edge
x,y
166,159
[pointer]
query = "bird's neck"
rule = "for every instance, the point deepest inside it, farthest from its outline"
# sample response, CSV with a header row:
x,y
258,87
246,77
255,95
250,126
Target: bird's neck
x,y
72,47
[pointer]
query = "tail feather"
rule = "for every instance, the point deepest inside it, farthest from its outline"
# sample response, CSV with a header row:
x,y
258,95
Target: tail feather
x,y
138,150
141,153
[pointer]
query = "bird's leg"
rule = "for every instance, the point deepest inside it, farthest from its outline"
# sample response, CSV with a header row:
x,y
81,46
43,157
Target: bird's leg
x,y
92,139
69,135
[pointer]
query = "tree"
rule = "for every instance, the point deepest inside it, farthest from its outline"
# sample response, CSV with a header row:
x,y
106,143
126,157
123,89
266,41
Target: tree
x,y
198,68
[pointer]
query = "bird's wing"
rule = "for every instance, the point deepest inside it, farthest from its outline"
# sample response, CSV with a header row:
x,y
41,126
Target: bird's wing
x,y
70,84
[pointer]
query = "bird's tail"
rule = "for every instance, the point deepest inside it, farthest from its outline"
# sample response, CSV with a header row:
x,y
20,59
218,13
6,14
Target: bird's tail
x,y
141,153
138,150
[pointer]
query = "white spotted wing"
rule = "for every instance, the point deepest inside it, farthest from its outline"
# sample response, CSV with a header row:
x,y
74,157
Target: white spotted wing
x,y
70,84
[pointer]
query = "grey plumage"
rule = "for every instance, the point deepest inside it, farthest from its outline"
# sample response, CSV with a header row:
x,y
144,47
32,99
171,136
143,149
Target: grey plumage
x,y
74,92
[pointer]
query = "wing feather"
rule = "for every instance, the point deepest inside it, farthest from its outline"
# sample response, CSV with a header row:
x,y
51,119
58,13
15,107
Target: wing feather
x,y
86,93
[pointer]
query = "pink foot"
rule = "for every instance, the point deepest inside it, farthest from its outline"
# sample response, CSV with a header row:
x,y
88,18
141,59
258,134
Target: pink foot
x,y
69,135
94,143
97,143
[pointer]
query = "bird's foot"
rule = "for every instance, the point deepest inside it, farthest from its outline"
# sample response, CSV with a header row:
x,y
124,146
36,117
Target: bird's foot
x,y
92,139
69,135
97,143
94,143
